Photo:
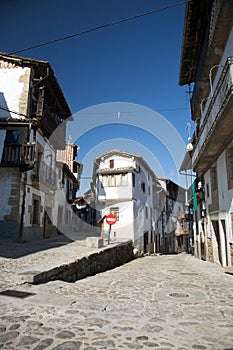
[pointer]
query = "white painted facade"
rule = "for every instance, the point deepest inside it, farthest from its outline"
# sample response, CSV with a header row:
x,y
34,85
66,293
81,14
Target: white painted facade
x,y
124,185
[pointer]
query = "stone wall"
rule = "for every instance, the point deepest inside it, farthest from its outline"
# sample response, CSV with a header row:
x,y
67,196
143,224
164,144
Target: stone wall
x,y
231,255
210,250
105,259
10,194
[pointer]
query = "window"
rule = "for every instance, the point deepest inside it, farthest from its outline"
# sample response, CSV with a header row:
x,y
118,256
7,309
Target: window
x,y
124,179
67,189
111,163
114,180
105,180
138,168
146,212
143,187
115,211
12,137
207,190
213,179
133,179
118,179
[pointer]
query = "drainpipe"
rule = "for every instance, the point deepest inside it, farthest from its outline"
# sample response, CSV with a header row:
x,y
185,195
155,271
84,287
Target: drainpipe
x,y
20,233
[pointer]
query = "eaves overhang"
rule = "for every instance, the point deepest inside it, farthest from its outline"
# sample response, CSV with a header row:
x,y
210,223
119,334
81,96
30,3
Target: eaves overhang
x,y
116,170
193,36
186,163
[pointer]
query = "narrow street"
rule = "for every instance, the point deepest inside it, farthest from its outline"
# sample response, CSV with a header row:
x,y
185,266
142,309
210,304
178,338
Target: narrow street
x,y
155,302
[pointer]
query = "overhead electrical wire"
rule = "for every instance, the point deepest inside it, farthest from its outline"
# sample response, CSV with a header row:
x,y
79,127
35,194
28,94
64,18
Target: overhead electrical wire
x,y
95,29
14,112
102,113
101,26
134,111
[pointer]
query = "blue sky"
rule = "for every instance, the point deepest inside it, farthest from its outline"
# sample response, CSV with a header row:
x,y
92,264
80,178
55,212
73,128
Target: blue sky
x,y
134,63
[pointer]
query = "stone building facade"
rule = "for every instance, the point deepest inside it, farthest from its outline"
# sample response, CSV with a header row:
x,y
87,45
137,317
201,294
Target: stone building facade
x,y
207,67
32,107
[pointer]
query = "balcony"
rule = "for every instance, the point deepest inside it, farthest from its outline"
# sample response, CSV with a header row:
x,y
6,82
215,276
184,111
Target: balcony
x,y
21,156
44,175
217,128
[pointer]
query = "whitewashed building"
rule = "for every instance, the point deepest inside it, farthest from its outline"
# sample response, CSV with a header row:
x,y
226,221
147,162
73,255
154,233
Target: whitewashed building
x,y
32,106
124,185
207,67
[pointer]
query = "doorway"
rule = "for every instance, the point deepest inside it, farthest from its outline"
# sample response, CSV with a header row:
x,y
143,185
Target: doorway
x,y
223,223
47,223
215,225
146,241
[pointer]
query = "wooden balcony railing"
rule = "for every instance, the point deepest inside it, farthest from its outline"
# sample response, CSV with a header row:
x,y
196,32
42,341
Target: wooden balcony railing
x,y
21,155
214,111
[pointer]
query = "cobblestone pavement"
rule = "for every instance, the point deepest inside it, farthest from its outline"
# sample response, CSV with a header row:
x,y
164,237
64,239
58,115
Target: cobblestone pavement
x,y
154,302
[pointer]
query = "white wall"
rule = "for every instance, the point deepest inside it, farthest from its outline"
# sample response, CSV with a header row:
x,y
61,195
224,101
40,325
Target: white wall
x,y
111,192
131,201
225,195
14,83
143,200
124,228
119,161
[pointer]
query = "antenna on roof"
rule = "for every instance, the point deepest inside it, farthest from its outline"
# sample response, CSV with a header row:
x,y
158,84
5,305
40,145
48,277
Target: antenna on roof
x,y
188,127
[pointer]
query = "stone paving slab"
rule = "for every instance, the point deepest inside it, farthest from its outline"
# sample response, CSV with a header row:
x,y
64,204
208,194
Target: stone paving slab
x,y
157,302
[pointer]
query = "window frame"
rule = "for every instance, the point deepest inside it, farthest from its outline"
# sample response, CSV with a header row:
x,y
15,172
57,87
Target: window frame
x,y
111,163
143,187
112,180
115,211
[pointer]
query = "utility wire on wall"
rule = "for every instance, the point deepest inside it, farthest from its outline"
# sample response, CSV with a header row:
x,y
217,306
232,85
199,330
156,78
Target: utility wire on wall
x,y
14,112
101,26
